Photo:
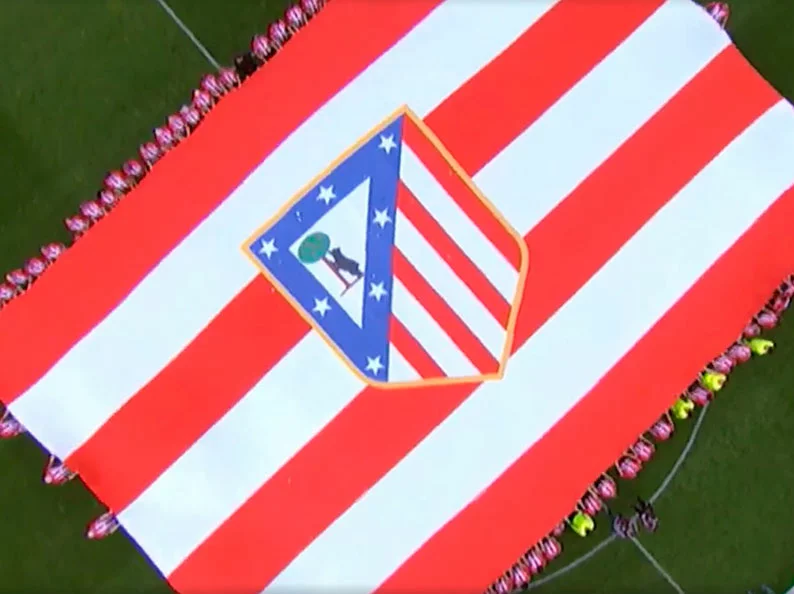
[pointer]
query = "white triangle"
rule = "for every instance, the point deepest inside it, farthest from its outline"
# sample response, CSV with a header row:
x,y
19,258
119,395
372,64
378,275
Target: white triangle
x,y
346,225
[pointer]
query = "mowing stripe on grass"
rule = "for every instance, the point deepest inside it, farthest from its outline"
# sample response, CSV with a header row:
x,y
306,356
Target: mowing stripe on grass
x,y
658,567
199,46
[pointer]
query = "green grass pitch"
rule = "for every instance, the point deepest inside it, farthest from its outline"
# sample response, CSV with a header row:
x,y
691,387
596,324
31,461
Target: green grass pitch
x,y
85,81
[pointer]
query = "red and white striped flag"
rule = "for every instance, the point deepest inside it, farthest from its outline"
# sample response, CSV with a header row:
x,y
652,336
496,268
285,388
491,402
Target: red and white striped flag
x,y
648,169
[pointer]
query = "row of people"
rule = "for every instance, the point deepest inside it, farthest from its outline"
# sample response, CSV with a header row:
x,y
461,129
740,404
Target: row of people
x,y
178,126
529,565
628,466
19,280
591,504
605,488
720,12
120,182
265,45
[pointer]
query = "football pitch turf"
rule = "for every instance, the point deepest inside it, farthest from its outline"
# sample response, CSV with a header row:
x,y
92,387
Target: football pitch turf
x,y
85,81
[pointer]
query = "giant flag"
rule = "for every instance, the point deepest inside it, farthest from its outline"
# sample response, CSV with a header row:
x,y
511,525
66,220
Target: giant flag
x,y
382,318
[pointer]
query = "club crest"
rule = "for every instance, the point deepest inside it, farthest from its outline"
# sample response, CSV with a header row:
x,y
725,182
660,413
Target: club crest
x,y
398,261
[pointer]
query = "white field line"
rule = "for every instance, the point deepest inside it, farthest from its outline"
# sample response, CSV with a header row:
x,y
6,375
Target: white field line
x,y
199,46
658,567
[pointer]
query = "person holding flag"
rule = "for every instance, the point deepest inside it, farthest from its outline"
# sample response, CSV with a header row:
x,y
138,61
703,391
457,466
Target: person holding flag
x,y
581,523
628,467
521,575
551,548
102,527
722,364
56,473
590,504
504,584
662,429
52,251
766,319
682,408
643,450
133,171
699,395
7,293
712,380
605,487
535,560
739,352
35,267
19,279
760,346
720,12
9,426
311,7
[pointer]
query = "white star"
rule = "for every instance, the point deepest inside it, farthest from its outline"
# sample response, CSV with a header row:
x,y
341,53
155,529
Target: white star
x,y
268,248
374,365
321,306
382,217
326,194
376,290
387,143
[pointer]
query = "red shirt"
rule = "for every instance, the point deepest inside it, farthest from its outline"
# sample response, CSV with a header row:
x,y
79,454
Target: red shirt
x,y
278,32
165,139
76,223
35,266
18,277
149,153
202,100
92,210
7,292
52,251
133,168
115,181
211,85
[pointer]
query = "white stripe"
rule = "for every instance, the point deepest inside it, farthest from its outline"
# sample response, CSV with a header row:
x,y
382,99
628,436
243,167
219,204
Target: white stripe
x,y
483,254
429,334
439,275
95,378
470,449
399,369
600,113
240,452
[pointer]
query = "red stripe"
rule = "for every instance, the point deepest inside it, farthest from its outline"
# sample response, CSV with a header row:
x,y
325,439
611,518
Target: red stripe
x,y
386,426
472,549
564,45
461,194
189,395
450,252
413,352
438,309
44,324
